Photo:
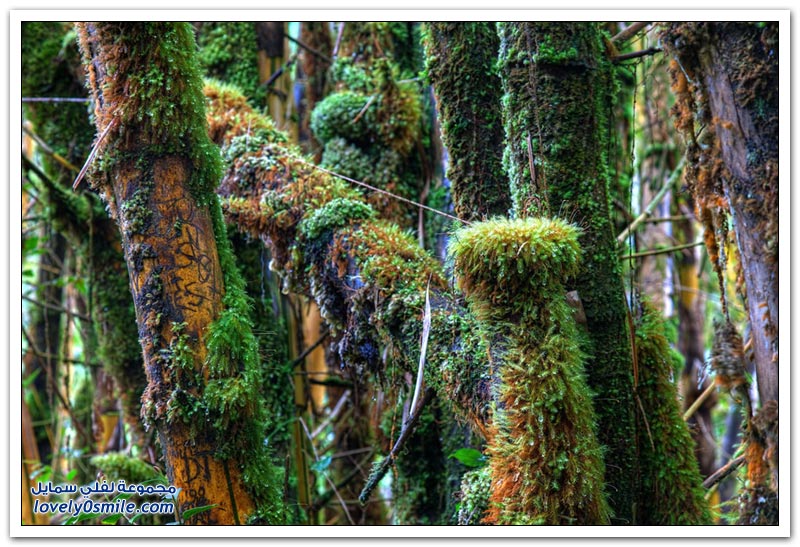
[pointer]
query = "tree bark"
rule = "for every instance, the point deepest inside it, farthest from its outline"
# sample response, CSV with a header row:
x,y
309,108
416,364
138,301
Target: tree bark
x,y
733,69
460,59
158,171
558,86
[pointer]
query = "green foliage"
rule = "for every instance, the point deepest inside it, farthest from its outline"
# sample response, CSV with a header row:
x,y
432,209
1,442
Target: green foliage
x,y
546,464
469,457
671,491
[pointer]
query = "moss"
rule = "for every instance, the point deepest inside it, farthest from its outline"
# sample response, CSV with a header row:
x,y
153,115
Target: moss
x,y
210,380
118,466
373,118
461,65
368,277
335,214
671,491
475,491
546,463
159,93
228,51
557,160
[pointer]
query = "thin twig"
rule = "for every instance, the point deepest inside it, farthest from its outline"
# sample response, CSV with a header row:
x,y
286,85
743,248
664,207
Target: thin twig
x,y
653,203
672,218
48,150
381,191
629,31
426,329
53,307
378,473
636,54
366,106
338,40
300,358
309,49
699,402
665,251
334,413
96,147
281,70
720,474
54,100
327,478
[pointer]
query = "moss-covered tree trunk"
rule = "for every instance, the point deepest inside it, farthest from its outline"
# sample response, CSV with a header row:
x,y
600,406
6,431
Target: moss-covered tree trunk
x,y
558,92
732,68
460,62
157,170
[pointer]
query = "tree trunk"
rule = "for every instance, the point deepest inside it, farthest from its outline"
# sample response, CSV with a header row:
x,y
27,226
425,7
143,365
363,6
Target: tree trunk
x,y
558,86
733,67
461,61
158,171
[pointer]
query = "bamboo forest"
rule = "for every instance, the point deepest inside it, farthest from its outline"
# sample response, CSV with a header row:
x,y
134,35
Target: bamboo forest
x,y
399,273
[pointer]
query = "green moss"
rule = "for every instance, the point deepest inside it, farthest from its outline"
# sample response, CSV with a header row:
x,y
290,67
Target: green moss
x,y
154,76
336,213
558,86
118,466
228,51
546,464
370,127
475,490
461,65
671,491
159,91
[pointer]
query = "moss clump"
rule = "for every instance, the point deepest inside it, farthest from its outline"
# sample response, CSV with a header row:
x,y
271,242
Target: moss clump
x,y
118,466
545,462
557,160
335,214
461,65
369,126
228,51
671,491
476,487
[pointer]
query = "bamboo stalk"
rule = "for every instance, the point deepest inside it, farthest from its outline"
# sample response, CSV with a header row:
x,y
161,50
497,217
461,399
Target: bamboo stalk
x,y
653,203
699,402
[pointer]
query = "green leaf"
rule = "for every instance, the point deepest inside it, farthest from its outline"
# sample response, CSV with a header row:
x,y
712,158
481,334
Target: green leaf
x,y
29,244
189,513
469,457
321,464
111,519
71,474
27,381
